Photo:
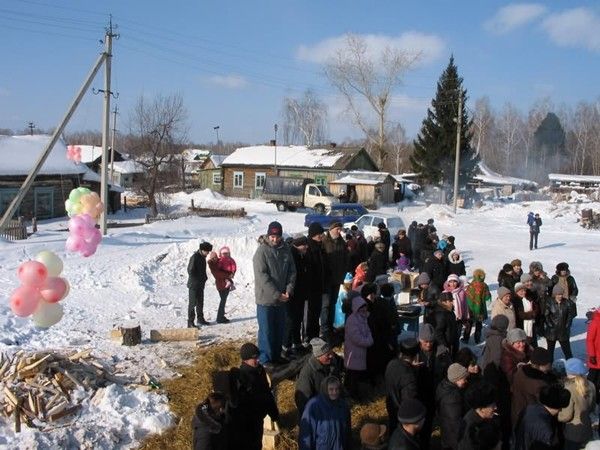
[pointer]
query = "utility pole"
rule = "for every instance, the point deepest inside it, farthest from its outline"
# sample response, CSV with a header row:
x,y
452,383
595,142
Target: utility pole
x,y
112,145
217,131
275,167
31,126
12,208
106,125
457,157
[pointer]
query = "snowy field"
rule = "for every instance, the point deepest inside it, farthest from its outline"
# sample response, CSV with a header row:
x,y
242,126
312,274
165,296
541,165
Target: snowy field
x,y
139,274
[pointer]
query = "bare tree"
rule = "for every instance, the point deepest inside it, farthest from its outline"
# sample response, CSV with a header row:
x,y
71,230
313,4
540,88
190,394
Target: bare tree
x,y
399,149
366,83
159,130
88,137
304,120
483,124
508,131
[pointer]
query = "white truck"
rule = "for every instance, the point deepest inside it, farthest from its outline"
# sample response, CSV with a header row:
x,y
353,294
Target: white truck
x,y
289,193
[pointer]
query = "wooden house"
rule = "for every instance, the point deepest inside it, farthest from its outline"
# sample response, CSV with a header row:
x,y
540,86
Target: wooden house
x,y
373,189
245,170
210,174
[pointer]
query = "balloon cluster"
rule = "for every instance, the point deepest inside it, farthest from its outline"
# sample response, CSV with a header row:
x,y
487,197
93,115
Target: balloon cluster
x,y
41,289
74,153
84,208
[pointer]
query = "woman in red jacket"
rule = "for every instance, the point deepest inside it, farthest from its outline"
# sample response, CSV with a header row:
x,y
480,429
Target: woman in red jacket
x,y
593,350
223,282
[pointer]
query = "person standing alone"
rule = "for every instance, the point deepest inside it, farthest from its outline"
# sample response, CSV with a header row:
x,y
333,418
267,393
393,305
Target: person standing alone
x,y
534,222
196,282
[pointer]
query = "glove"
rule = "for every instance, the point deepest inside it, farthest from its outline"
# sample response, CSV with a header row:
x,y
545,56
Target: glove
x,y
593,360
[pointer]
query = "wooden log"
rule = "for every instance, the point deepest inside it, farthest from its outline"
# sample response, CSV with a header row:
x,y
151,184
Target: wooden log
x,y
63,413
41,408
58,408
17,414
116,335
132,335
175,334
82,354
12,397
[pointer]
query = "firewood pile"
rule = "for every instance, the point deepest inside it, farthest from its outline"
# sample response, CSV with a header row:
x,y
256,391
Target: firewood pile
x,y
38,389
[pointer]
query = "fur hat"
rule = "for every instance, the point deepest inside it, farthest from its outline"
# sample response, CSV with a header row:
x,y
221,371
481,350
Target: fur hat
x,y
525,278
336,225
423,278
540,356
300,241
319,347
373,436
515,335
516,262
562,266
409,346
426,332
507,268
248,351
314,229
480,395
502,291
456,372
451,239
275,229
519,286
206,246
479,274
554,396
575,366
411,410
536,265
500,323
558,290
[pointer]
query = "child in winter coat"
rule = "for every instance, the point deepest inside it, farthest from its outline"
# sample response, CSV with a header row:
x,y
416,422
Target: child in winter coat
x,y
454,286
478,295
357,339
227,263
402,263
360,276
341,307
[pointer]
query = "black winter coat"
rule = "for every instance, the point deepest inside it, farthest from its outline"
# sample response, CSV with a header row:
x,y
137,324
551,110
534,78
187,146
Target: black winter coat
x,y
382,325
469,420
337,258
450,411
401,440
445,329
456,268
317,267
400,384
197,270
571,285
303,275
506,280
378,265
311,377
432,370
401,246
436,269
430,297
208,432
558,319
537,429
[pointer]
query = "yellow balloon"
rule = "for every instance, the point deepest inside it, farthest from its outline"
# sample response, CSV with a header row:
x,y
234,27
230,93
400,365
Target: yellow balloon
x,y
52,262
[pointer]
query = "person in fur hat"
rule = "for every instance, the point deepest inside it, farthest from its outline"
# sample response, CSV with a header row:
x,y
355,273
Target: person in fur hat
x,y
478,295
209,430
566,280
559,315
482,401
455,264
517,269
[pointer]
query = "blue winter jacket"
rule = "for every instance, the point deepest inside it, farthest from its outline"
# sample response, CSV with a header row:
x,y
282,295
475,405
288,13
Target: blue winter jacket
x,y
325,425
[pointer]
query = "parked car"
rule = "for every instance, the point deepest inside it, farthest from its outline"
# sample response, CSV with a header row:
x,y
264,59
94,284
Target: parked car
x,y
341,212
291,193
369,222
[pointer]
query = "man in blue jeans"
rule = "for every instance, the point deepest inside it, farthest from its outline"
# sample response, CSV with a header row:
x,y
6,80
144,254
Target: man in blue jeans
x,y
274,279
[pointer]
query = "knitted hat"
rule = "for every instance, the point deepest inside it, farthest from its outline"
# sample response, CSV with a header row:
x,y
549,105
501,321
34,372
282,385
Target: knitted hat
x,y
411,410
423,278
515,335
540,356
535,265
409,346
519,286
456,372
507,268
554,396
525,278
248,351
319,347
300,241
426,332
348,278
558,290
562,266
372,436
502,291
480,395
575,366
206,246
275,229
453,277
516,262
336,225
314,229
500,322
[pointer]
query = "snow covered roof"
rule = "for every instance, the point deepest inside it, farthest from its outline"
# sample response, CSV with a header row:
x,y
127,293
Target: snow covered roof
x,y
217,160
19,154
128,166
195,154
573,178
292,156
361,177
488,176
401,179
92,176
89,153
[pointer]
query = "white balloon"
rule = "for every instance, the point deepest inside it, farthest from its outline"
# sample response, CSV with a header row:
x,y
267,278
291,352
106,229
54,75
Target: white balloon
x,y
52,262
47,314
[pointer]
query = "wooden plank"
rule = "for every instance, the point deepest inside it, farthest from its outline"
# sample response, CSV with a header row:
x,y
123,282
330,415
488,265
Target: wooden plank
x,y
63,413
82,354
175,334
17,414
11,396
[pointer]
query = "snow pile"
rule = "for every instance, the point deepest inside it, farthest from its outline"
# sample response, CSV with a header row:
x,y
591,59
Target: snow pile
x,y
576,197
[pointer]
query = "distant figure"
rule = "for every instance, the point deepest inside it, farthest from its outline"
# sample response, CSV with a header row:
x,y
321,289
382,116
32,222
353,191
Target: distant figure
x,y
342,197
197,279
534,222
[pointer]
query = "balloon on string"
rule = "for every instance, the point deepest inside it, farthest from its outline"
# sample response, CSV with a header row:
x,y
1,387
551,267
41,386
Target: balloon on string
x,y
84,237
74,153
54,289
32,273
47,314
53,263
25,300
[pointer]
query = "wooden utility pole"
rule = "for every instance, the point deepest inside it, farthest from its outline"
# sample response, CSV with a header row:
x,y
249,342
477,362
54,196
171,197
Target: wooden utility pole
x,y
112,145
457,156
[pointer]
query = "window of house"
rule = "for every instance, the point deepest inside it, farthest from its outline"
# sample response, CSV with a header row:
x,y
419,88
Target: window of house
x,y
259,180
216,178
238,180
43,202
321,180
6,196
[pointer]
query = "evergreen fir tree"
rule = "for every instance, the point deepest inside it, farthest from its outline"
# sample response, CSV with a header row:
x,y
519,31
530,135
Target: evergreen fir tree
x,y
435,146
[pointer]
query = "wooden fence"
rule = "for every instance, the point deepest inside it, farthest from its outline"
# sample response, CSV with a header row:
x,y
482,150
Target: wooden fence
x,y
16,229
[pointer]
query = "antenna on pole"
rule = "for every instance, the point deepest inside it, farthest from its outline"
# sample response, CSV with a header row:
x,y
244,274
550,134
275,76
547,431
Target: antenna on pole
x,y
31,126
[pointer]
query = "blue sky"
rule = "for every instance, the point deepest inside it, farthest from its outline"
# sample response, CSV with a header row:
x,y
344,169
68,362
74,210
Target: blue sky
x,y
234,61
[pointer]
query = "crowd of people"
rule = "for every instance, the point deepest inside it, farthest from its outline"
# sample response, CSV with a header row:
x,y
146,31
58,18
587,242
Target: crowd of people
x,y
330,290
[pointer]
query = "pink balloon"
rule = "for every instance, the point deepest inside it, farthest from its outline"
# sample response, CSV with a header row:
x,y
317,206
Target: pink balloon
x,y
76,224
32,273
24,300
96,237
88,249
54,289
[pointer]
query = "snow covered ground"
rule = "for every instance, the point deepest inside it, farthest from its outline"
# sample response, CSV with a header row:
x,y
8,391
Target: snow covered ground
x,y
139,274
